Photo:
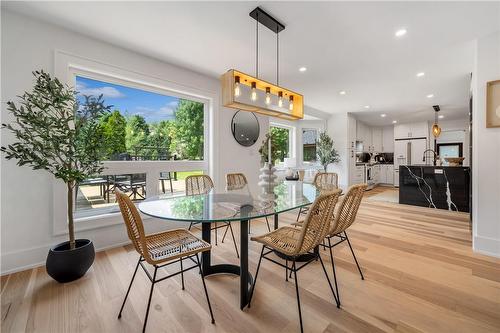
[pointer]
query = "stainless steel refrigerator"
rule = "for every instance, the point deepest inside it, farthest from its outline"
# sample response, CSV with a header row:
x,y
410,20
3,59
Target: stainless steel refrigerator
x,y
407,152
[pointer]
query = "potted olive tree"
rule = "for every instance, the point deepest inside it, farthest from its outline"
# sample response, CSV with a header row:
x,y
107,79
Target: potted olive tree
x,y
326,151
56,133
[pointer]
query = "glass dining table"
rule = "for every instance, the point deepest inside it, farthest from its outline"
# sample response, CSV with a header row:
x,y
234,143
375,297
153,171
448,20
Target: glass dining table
x,y
232,204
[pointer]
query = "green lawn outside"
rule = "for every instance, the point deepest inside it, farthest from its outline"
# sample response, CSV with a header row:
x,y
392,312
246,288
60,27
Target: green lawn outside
x,y
181,175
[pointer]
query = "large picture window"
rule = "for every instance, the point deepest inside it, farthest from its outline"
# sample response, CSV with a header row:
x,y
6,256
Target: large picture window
x,y
281,138
151,141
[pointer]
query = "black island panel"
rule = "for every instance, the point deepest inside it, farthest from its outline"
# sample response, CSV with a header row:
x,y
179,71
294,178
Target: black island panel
x,y
438,187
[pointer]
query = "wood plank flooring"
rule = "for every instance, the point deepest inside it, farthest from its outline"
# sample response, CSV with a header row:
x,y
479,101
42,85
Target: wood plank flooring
x,y
420,276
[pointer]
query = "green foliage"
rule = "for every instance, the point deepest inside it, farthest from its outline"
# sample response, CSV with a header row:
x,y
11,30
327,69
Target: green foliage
x,y
326,151
136,133
280,137
53,132
264,150
159,140
113,127
309,153
187,130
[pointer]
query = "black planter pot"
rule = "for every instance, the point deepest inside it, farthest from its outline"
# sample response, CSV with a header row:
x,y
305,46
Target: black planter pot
x,y
66,265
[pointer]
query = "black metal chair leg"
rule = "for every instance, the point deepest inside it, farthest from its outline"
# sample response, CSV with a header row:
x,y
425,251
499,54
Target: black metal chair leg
x,y
334,274
149,301
256,275
190,225
356,260
182,275
286,270
225,232
129,286
234,240
268,227
298,215
298,297
328,279
216,233
205,288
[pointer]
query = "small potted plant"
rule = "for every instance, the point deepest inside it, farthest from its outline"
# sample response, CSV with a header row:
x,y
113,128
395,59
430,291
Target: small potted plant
x,y
326,151
56,133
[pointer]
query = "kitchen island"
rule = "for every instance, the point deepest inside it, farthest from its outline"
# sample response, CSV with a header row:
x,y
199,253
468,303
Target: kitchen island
x,y
441,187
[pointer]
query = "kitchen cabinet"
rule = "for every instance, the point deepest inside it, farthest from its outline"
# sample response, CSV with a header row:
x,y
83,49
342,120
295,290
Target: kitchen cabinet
x,y
376,143
388,139
358,174
396,177
386,174
376,174
411,130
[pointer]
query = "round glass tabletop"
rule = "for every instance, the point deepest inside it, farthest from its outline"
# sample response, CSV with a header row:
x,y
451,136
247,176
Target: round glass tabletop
x,y
232,204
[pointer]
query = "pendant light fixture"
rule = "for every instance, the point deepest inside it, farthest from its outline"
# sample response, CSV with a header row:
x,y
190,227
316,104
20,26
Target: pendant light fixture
x,y
250,93
436,130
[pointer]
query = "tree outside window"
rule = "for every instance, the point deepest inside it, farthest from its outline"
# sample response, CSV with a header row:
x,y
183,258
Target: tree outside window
x,y
281,139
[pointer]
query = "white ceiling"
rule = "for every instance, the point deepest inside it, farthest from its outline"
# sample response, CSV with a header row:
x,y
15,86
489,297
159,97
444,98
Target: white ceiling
x,y
345,46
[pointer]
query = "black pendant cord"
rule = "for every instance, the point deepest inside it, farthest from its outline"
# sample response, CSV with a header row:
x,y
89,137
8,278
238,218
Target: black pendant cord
x,y
257,47
277,59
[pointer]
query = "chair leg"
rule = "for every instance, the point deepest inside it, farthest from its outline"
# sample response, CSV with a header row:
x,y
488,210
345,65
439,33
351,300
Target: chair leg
x,y
225,232
298,297
328,279
286,270
334,274
356,260
256,274
205,288
268,227
190,225
234,240
149,301
182,275
216,233
129,286
298,215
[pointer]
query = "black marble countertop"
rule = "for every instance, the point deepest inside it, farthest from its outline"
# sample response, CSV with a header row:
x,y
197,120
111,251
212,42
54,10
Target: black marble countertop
x,y
434,166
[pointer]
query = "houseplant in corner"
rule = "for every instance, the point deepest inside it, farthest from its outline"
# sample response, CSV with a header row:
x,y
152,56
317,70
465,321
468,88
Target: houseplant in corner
x,y
326,151
52,131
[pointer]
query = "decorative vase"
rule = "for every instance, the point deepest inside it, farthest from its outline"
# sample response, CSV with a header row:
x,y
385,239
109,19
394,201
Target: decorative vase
x,y
66,265
267,181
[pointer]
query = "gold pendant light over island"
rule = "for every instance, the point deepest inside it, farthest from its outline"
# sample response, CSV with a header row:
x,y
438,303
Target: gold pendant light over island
x,y
249,93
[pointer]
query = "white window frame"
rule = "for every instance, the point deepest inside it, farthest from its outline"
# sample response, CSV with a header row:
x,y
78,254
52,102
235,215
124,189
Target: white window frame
x,y
307,163
292,139
67,67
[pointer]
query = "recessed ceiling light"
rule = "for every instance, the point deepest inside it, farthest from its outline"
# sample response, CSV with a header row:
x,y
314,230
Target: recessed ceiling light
x,y
383,115
420,74
400,33
441,116
342,92
394,121
302,69
430,96
367,106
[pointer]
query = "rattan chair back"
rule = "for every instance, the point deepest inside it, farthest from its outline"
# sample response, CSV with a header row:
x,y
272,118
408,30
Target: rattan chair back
x,y
133,221
326,180
317,222
348,209
235,181
198,184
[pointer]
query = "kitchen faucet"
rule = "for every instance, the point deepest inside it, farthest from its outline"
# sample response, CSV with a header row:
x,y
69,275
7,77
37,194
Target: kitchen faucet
x,y
424,157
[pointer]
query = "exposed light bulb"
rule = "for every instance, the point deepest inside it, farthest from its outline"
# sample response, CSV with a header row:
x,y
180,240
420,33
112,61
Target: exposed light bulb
x,y
253,96
290,106
237,90
280,99
268,95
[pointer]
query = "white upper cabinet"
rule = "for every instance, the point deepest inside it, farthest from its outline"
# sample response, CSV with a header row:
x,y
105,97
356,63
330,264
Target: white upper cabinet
x,y
377,139
388,139
412,130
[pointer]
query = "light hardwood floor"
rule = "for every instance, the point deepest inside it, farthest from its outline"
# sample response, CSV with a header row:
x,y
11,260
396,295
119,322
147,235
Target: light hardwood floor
x,y
421,276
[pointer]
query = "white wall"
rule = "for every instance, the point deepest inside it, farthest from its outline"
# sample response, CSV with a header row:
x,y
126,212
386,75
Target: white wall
x,y
485,151
337,128
27,201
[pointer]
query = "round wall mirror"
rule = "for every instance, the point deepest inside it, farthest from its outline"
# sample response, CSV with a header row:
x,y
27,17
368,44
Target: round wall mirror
x,y
245,128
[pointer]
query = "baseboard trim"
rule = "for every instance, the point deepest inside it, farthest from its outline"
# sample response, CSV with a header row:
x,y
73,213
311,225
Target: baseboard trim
x,y
487,246
36,257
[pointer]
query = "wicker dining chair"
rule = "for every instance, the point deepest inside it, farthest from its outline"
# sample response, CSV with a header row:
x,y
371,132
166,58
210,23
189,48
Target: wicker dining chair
x,y
294,242
237,181
160,250
323,181
203,184
345,215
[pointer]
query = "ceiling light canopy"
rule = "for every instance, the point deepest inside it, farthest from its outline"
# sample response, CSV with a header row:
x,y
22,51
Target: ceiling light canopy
x,y
400,32
249,93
